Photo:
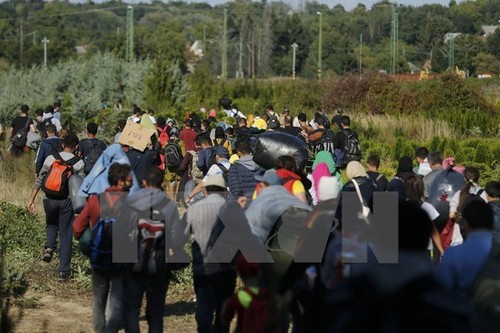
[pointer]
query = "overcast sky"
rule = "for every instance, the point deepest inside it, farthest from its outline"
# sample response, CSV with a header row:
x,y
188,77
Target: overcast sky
x,y
349,4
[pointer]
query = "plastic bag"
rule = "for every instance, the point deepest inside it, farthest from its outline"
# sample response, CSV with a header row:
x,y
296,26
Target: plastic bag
x,y
77,201
444,186
271,145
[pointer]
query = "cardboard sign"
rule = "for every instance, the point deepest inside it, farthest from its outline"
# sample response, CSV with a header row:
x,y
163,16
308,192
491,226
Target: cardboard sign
x,y
135,136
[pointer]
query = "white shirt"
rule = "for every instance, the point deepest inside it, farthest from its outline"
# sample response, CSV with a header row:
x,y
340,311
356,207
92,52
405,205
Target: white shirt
x,y
216,170
456,197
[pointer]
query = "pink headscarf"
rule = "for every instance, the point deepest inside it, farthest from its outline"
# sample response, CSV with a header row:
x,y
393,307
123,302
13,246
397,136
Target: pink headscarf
x,y
321,170
450,161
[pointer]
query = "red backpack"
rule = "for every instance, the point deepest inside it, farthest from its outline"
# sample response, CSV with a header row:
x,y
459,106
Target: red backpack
x,y
55,182
163,138
258,314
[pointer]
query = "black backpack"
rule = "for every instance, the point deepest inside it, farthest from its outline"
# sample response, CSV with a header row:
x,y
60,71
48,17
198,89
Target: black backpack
x,y
173,155
95,151
21,137
352,149
273,122
42,127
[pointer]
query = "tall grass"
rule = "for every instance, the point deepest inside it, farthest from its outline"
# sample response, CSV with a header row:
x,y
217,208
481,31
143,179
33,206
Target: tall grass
x,y
388,128
17,176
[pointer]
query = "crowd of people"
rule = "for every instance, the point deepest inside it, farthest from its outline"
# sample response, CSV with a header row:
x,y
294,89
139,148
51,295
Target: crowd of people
x,y
317,274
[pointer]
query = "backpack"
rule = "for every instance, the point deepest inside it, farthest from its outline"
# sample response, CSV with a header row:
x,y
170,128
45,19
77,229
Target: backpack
x,y
173,155
325,143
485,294
95,151
150,239
259,312
212,159
101,239
163,138
352,149
55,183
42,127
196,172
21,137
273,122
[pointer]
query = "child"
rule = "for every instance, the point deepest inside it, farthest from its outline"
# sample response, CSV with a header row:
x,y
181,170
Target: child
x,y
251,303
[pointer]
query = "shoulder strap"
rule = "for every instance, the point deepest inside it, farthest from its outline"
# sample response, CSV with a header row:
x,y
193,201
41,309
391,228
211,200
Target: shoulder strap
x,y
379,177
27,124
358,191
222,167
58,157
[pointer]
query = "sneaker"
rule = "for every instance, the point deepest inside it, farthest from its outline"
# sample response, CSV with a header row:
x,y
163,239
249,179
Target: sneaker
x,y
47,254
64,276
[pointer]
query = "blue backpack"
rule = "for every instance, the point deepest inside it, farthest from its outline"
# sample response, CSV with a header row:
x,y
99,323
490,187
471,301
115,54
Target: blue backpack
x,y
101,239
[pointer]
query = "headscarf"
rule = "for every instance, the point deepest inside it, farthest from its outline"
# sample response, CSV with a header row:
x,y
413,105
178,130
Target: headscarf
x,y
355,169
321,170
325,157
405,167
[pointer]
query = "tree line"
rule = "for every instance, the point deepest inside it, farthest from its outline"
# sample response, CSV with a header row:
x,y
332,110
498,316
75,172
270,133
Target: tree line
x,y
259,34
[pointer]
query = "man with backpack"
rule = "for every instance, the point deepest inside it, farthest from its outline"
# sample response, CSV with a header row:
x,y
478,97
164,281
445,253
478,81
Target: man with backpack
x,y
155,221
49,146
322,139
173,152
53,179
220,167
347,146
91,148
106,279
18,131
213,282
372,165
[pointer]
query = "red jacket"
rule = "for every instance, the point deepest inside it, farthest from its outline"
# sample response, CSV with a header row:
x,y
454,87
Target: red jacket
x,y
92,210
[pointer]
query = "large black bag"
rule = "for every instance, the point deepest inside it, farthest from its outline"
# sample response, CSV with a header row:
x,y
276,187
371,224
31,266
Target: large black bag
x,y
271,145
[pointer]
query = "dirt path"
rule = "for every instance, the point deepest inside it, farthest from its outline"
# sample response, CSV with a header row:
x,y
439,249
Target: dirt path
x,y
49,312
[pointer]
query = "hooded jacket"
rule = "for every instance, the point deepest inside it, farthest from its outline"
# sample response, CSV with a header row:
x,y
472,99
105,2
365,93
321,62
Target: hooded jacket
x,y
241,181
141,202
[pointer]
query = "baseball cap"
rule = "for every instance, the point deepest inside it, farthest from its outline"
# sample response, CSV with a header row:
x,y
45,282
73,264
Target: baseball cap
x,y
222,151
270,177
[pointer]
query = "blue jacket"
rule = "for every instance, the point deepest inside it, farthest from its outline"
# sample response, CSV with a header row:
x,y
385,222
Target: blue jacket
x,y
47,147
241,177
462,263
97,180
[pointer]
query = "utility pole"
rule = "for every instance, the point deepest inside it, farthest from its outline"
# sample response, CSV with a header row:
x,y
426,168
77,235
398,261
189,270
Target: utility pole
x,y
21,42
294,48
240,60
129,47
45,41
224,47
360,55
451,54
320,44
394,37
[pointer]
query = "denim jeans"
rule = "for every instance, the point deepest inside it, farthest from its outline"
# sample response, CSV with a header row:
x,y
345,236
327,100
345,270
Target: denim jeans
x,y
211,293
155,286
59,220
107,312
